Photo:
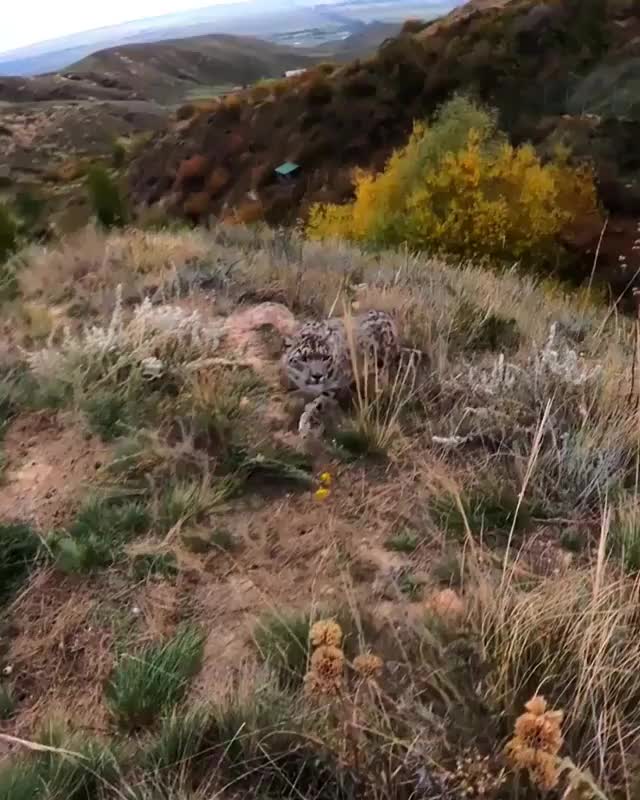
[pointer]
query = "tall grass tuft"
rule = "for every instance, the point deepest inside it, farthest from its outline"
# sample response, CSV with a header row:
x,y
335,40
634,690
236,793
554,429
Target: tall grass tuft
x,y
156,678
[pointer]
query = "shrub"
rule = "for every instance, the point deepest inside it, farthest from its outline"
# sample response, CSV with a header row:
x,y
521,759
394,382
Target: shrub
x,y
29,206
458,187
8,234
141,686
414,26
106,200
260,92
319,91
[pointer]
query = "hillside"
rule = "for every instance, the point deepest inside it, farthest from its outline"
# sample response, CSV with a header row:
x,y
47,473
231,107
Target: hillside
x,y
466,533
563,72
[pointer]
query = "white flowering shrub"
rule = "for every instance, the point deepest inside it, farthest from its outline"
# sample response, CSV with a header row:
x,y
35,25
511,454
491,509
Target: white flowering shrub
x,y
555,366
153,339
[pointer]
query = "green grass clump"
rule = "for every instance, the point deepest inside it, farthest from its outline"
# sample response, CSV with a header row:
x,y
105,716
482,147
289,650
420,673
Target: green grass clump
x,y
107,413
81,773
147,565
283,643
20,547
7,701
487,511
404,542
21,780
624,538
146,683
8,233
71,778
187,501
411,587
183,736
98,534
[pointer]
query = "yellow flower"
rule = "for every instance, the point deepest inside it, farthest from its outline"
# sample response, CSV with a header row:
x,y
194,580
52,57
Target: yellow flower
x,y
326,479
321,494
325,631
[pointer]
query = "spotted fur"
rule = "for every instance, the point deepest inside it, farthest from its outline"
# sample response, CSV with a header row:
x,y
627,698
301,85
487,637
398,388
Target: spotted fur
x,y
319,361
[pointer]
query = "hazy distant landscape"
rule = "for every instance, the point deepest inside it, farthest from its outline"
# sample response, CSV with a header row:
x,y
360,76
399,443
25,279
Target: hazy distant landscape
x,y
302,24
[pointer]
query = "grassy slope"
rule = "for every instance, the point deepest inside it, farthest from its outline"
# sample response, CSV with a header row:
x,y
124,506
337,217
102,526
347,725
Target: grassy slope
x,y
503,468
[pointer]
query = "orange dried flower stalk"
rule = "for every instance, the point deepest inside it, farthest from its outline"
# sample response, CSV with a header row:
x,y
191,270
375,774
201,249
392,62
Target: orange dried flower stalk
x,y
326,672
368,666
326,632
536,743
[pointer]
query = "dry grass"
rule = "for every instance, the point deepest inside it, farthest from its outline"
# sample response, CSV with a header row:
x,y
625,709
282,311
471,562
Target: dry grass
x,y
519,416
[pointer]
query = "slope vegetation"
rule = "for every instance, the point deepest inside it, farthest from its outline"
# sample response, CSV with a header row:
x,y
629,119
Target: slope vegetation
x,y
550,69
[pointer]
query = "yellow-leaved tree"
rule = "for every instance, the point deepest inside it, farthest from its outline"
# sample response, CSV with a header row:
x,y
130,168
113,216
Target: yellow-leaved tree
x,y
459,187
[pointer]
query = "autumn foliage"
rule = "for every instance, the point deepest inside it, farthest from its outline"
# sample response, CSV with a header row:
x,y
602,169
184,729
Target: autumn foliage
x,y
459,187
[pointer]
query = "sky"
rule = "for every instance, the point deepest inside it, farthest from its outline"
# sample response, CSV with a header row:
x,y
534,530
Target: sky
x,y
30,21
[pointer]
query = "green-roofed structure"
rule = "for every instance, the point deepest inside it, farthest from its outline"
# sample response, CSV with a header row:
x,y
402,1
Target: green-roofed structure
x,y
287,170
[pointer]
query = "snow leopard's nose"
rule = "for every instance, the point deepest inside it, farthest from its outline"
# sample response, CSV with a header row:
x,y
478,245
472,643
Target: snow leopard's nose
x,y
316,377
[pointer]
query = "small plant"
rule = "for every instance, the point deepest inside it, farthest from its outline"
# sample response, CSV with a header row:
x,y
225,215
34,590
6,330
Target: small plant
x,y
404,542
20,548
144,684
410,586
106,200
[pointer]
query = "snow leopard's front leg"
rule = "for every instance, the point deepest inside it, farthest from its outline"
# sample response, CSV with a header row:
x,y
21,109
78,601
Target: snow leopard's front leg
x,y
313,419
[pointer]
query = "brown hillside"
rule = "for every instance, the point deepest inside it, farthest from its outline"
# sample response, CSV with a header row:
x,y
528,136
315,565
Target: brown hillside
x,y
542,65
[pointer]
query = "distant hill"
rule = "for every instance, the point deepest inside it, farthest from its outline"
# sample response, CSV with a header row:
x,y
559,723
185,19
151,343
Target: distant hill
x,y
166,71
261,18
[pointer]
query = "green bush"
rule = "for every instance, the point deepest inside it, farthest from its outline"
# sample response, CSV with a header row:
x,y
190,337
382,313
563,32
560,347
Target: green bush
x,y
106,200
